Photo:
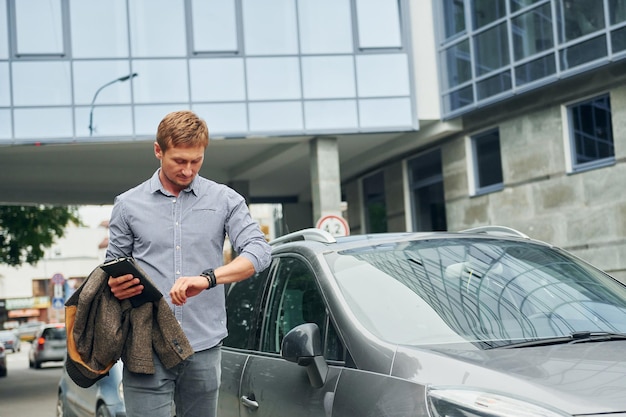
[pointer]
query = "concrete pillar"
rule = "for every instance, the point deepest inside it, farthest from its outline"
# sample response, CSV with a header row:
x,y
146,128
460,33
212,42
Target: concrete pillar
x,y
325,178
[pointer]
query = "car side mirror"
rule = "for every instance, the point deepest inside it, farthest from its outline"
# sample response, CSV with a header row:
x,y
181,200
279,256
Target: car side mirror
x,y
303,345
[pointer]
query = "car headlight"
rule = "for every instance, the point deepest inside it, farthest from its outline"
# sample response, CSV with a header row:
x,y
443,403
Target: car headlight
x,y
459,402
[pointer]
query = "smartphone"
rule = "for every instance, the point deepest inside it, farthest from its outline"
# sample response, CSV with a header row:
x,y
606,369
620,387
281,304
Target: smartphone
x,y
123,266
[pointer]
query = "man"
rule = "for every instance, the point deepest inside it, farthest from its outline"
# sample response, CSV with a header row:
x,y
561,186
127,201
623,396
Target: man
x,y
174,225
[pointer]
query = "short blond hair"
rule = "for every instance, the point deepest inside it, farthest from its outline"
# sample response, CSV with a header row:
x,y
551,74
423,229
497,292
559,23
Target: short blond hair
x,y
182,128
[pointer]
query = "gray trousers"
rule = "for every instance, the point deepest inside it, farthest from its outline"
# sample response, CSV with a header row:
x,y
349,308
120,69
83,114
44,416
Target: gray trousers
x,y
191,387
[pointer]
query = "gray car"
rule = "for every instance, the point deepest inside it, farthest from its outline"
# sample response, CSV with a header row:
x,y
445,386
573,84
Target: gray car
x,y
483,322
49,345
103,399
10,341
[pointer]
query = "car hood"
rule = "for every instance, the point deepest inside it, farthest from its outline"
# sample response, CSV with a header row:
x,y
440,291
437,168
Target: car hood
x,y
581,378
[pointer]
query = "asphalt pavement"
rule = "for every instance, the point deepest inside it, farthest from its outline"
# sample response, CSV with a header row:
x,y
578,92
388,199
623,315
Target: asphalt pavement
x,y
29,392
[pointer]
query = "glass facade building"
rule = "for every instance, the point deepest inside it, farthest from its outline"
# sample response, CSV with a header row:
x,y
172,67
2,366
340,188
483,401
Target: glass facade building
x,y
493,49
250,68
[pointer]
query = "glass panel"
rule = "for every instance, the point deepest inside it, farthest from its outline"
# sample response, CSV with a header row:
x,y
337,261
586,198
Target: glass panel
x,y
428,193
147,118
374,203
487,11
5,124
328,77
617,11
4,31
488,159
578,18
453,17
592,131
491,48
90,76
5,90
41,83
99,29
493,85
385,113
535,70
325,26
520,4
214,25
243,301
273,78
382,75
459,98
157,28
39,123
270,27
378,23
532,32
39,27
160,81
331,114
618,40
275,117
583,52
219,79
458,64
224,118
106,121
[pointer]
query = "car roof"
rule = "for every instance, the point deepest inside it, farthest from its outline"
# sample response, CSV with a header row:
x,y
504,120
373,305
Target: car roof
x,y
318,240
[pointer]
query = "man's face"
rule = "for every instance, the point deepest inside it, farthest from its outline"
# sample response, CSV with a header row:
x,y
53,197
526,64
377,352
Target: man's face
x,y
179,165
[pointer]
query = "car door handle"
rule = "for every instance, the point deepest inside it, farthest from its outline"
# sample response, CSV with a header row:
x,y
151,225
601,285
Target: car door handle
x,y
250,403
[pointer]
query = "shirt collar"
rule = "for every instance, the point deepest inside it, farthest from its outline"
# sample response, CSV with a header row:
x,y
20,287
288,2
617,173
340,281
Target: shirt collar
x,y
155,185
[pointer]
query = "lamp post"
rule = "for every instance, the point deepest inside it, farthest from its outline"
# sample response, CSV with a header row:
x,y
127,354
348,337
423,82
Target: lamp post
x,y
121,79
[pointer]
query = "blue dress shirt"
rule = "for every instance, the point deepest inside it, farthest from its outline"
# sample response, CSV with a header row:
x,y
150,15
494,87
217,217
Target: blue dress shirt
x,y
171,237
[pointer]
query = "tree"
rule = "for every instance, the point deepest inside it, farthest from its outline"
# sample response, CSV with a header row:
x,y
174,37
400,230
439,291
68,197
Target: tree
x,y
26,231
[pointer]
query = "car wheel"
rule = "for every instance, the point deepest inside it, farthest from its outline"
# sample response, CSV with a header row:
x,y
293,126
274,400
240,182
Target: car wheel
x,y
102,411
60,405
3,372
37,365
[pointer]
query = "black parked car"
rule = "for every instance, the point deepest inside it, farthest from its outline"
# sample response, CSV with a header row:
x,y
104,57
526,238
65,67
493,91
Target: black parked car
x,y
485,322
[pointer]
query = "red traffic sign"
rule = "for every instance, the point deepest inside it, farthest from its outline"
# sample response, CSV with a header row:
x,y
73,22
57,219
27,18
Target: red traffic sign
x,y
335,225
58,279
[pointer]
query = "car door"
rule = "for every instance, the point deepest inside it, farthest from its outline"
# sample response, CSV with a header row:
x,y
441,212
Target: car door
x,y
270,385
243,307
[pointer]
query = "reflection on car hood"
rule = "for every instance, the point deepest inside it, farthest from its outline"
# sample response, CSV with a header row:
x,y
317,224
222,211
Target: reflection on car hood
x,y
587,378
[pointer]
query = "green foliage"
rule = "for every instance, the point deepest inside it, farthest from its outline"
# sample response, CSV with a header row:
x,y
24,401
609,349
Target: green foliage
x,y
26,231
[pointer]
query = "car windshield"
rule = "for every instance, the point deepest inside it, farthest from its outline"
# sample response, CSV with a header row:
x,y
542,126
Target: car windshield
x,y
490,292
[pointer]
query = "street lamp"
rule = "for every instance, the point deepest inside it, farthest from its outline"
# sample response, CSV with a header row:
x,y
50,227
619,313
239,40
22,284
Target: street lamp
x,y
121,79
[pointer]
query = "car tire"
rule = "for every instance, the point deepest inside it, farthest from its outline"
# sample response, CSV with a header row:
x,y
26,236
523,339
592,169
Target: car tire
x,y
102,411
60,411
37,365
3,373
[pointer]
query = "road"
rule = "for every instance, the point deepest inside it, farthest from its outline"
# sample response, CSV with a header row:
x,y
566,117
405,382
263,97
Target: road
x,y
29,392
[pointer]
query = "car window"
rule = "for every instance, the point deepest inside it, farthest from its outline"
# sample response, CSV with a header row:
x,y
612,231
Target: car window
x,y
295,299
243,301
54,334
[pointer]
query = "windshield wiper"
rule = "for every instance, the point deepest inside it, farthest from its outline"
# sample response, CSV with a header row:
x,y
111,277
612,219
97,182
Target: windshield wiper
x,y
575,337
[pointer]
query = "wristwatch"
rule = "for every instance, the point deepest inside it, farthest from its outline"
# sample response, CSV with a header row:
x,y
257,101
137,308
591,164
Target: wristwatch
x,y
209,274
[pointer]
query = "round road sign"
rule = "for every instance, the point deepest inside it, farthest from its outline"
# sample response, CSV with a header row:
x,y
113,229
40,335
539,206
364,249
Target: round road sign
x,y
335,225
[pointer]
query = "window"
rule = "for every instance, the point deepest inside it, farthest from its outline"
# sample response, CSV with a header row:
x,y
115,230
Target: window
x,y
591,133
428,200
487,162
243,304
214,26
374,203
374,15
294,299
454,20
39,28
577,18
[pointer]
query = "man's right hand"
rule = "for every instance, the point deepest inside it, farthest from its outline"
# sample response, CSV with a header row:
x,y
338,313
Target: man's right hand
x,y
125,286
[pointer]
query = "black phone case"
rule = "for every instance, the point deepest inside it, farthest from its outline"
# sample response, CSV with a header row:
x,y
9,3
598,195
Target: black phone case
x,y
123,266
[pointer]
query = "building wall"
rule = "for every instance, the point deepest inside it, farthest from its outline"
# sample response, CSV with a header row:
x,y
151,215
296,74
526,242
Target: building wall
x,y
583,212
